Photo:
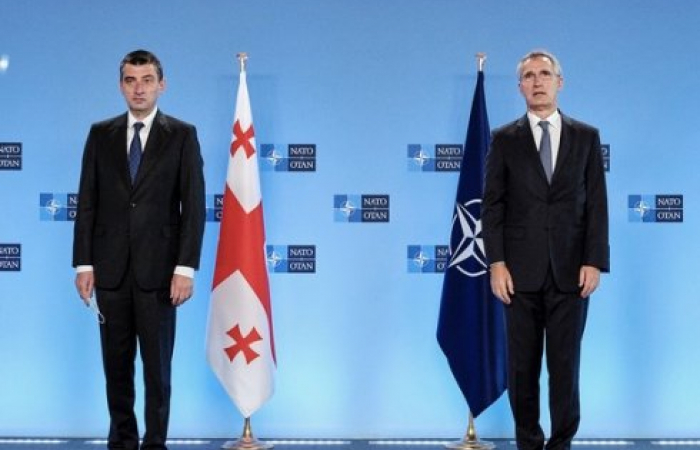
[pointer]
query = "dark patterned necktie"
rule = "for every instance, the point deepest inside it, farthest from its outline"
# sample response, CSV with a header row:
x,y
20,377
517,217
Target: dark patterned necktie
x,y
135,151
546,150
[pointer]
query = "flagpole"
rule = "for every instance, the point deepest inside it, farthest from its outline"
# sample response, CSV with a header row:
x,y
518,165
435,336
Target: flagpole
x,y
247,441
470,440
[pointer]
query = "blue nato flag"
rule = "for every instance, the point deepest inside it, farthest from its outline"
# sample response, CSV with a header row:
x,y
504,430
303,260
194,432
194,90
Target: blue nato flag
x,y
471,329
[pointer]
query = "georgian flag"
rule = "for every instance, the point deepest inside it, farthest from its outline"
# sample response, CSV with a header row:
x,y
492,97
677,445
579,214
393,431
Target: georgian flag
x,y
240,343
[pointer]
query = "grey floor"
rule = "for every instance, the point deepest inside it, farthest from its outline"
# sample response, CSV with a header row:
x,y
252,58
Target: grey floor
x,y
12,443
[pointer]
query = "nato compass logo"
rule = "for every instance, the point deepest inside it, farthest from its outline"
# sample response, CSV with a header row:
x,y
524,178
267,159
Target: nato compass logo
x,y
427,258
10,257
437,158
291,258
58,207
361,208
605,150
215,207
10,156
655,208
468,255
299,158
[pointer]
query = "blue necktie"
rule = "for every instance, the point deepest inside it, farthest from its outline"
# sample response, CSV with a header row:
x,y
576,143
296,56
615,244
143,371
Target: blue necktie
x,y
135,151
546,150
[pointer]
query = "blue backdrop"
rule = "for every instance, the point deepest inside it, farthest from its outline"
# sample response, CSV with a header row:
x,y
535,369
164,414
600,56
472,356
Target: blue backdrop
x,y
361,80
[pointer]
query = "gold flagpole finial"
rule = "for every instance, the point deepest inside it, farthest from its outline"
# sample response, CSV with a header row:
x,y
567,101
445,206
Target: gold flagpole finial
x,y
242,59
480,61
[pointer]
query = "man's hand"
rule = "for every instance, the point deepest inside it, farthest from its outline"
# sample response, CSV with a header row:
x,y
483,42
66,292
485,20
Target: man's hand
x,y
85,283
181,288
588,280
501,282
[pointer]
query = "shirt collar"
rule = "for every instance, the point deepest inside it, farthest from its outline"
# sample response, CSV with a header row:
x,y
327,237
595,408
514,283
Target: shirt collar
x,y
554,120
147,121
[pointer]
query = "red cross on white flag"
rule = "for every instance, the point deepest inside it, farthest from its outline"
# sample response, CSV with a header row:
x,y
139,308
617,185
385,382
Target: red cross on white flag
x,y
240,343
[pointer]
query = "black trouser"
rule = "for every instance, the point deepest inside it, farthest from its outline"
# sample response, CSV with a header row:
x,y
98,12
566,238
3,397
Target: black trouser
x,y
148,317
535,320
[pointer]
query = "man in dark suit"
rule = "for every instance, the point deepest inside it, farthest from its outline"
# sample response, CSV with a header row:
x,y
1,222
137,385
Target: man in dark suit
x,y
137,242
545,230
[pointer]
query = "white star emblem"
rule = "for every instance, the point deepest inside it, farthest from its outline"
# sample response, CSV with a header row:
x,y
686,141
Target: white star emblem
x,y
53,206
469,255
273,259
348,208
421,158
641,208
420,259
273,157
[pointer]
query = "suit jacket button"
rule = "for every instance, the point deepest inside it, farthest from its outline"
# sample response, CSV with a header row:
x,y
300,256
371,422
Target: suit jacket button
x,y
133,205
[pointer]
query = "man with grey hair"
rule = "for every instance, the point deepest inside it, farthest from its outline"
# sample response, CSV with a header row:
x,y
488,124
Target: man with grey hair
x,y
545,229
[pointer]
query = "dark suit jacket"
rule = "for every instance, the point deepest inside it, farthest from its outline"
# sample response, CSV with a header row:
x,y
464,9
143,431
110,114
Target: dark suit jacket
x,y
155,224
530,224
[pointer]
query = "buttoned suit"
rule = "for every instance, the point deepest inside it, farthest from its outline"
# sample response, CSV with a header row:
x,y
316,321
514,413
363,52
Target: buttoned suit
x,y
134,235
544,233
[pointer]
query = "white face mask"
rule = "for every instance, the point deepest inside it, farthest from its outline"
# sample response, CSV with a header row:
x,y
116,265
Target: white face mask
x,y
96,309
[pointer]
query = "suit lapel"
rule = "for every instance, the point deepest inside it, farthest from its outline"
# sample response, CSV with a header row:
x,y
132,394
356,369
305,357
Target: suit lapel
x,y
117,148
155,146
564,145
529,148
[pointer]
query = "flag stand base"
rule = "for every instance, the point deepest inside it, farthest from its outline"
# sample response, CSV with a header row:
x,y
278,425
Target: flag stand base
x,y
470,441
247,441
466,444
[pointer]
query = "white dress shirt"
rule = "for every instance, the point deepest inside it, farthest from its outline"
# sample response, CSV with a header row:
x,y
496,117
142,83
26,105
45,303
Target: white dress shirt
x,y
554,133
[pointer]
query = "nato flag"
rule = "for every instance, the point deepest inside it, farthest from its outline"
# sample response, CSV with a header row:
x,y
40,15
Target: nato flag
x,y
471,330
